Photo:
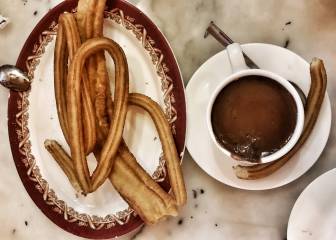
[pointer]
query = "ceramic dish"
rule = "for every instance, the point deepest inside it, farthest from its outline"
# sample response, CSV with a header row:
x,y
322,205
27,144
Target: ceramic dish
x,y
199,143
313,216
32,118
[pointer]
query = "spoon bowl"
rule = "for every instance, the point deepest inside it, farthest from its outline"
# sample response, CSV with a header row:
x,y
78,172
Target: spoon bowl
x,y
13,78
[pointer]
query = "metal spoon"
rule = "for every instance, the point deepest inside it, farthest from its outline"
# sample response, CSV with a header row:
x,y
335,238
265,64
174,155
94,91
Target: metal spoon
x,y
13,78
225,40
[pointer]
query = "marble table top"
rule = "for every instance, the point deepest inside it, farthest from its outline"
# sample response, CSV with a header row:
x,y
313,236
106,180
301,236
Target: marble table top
x,y
216,211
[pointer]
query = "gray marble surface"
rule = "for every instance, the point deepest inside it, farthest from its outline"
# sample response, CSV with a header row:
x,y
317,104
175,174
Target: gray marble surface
x,y
218,211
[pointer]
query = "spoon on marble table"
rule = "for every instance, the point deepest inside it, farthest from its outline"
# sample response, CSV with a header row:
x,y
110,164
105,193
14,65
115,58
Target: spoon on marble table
x,y
225,40
13,78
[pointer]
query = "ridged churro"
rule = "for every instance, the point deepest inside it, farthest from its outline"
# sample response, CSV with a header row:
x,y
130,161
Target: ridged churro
x,y
82,8
68,33
93,121
73,43
113,140
60,74
141,192
168,144
96,64
64,161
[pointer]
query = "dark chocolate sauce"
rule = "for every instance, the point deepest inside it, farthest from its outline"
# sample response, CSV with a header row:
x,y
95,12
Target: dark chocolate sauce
x,y
253,117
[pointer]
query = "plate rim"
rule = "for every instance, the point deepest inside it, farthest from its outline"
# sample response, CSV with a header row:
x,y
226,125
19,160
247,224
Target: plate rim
x,y
307,188
327,99
13,126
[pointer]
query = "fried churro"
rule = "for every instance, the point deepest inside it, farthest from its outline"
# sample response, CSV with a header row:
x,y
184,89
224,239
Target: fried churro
x,y
132,196
141,192
82,8
64,161
60,74
102,87
97,70
93,121
135,186
113,140
168,144
68,33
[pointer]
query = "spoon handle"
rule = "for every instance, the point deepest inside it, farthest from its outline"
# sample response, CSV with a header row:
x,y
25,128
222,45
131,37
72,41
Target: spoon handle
x,y
225,40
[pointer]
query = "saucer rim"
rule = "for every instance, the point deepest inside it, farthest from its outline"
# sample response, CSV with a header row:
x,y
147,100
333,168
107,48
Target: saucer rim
x,y
304,195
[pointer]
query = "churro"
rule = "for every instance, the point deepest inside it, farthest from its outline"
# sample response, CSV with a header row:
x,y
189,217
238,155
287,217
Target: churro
x,y
97,70
168,144
102,89
135,186
132,195
82,8
64,161
141,192
92,121
113,140
73,43
60,74
68,34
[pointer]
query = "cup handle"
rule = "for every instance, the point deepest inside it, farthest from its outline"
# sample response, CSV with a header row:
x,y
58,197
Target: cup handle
x,y
236,57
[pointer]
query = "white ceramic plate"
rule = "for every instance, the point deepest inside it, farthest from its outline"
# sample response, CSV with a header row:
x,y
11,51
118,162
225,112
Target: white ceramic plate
x,y
140,138
32,118
313,216
206,79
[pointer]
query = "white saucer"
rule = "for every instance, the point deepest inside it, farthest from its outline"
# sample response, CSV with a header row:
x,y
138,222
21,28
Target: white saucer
x,y
206,79
313,216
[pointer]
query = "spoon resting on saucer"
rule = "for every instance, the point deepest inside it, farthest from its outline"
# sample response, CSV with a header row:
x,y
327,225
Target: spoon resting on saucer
x,y
13,78
225,40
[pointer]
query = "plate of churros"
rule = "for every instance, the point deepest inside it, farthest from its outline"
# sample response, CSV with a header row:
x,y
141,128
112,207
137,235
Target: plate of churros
x,y
99,137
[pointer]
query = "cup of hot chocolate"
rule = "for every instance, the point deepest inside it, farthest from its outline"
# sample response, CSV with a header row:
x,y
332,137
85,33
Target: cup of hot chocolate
x,y
254,116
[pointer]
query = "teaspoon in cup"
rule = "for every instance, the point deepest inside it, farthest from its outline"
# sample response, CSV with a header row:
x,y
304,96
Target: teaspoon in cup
x,y
225,40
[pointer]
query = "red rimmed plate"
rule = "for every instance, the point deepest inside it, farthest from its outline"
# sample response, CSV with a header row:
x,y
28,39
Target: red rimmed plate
x,y
32,118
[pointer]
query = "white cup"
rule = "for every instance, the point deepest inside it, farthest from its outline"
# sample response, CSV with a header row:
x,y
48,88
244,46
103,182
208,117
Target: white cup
x,y
239,70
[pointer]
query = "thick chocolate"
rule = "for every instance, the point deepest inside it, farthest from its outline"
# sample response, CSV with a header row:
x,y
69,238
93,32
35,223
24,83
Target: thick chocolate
x,y
253,117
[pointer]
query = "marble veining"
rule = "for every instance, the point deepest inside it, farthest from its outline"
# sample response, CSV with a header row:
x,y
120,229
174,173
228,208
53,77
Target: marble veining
x,y
214,211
